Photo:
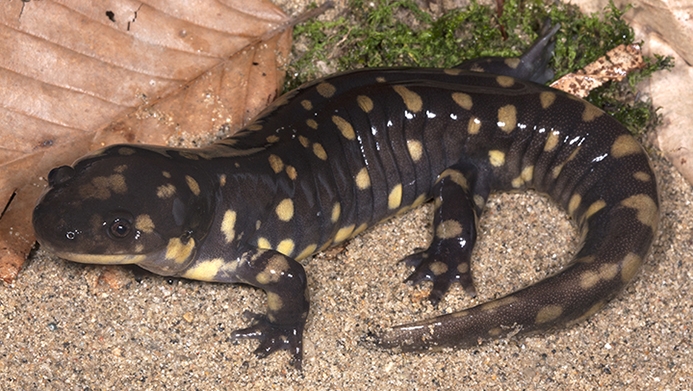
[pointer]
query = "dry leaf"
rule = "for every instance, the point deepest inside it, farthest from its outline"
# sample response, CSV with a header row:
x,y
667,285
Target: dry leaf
x,y
76,76
614,66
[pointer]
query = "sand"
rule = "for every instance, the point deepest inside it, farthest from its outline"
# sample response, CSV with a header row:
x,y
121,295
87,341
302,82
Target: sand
x,y
68,326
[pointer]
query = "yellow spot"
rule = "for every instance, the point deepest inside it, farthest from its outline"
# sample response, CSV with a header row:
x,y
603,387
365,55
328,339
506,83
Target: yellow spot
x,y
527,173
365,103
630,266
591,112
276,163
319,151
593,310
222,180
608,271
588,279
454,176
594,208
419,200
192,184
411,99
452,71
394,199
336,211
166,174
285,209
505,81
177,251
479,201
557,170
648,212
463,100
495,332
343,233
102,186
344,127
463,267
492,305
415,149
291,172
587,259
551,141
121,168
573,204
642,176
363,180
438,268
286,247
144,223
512,63
307,251
326,89
274,304
497,158
325,245
205,270
507,117
306,104
304,141
359,229
524,177
254,127
474,125
263,243
380,79
312,124
547,98
437,202
125,151
228,225
625,145
448,229
165,191
548,313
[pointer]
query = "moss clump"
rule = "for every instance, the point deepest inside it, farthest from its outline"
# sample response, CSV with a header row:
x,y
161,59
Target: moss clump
x,y
388,33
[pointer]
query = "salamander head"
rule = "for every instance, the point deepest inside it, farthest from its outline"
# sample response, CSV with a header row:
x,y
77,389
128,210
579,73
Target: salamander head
x,y
125,204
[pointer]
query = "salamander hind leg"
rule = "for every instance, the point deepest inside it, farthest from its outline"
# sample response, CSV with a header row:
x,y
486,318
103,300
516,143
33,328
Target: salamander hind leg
x,y
532,65
459,198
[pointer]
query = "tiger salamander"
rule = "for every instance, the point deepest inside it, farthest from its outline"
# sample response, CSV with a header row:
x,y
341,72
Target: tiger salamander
x,y
338,155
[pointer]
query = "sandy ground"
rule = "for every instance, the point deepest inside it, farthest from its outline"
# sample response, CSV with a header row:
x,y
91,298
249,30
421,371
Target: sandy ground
x,y
65,328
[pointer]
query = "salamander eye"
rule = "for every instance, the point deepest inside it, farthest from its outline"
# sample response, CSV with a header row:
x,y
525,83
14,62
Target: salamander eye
x,y
120,228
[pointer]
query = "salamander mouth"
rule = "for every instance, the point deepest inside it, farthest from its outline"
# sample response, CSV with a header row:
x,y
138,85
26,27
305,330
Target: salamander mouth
x,y
102,259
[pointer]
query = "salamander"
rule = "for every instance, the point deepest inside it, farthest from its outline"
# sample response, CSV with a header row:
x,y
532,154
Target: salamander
x,y
328,160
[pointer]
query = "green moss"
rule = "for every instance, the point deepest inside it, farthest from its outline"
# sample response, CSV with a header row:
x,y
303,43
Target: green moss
x,y
623,102
387,33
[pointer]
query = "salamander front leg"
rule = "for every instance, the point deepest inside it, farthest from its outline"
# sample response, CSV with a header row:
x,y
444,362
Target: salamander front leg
x,y
458,202
284,281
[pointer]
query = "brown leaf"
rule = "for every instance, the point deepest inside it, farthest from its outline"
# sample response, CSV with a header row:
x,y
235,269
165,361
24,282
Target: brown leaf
x,y
78,75
614,66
